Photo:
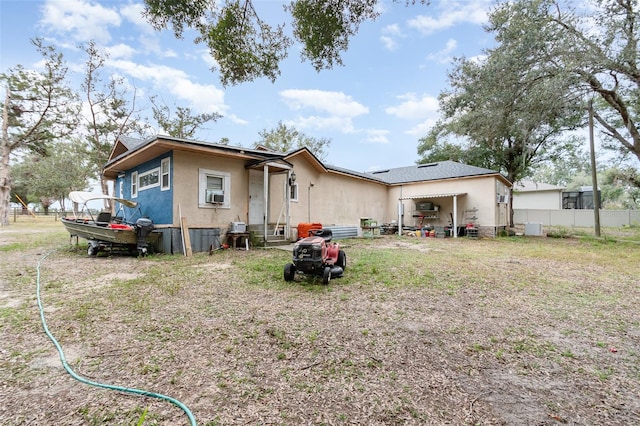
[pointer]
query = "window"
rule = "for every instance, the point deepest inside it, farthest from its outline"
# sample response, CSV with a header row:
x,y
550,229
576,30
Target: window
x,y
164,170
214,189
134,184
121,188
149,179
502,193
293,192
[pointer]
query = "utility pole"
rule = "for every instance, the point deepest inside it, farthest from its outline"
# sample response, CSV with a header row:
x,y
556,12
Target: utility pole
x,y
594,178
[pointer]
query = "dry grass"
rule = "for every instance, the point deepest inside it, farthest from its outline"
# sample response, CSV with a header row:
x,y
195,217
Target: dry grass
x,y
418,331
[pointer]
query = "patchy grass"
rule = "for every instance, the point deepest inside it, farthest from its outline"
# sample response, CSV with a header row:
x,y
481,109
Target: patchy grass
x,y
417,331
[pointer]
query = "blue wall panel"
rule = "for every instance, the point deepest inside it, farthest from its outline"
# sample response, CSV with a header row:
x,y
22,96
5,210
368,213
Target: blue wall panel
x,y
154,203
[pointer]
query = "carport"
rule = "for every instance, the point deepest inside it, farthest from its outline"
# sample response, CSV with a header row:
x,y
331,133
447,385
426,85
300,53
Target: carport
x,y
453,195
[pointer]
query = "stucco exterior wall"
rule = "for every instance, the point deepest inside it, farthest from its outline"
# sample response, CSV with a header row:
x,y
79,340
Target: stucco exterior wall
x,y
329,198
537,200
185,190
480,194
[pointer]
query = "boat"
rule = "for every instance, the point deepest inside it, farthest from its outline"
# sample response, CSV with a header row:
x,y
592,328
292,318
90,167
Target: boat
x,y
127,229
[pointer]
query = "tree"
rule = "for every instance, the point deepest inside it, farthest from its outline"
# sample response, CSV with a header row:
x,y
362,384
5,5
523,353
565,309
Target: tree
x,y
561,169
595,50
502,115
38,108
50,178
110,116
246,48
184,124
285,139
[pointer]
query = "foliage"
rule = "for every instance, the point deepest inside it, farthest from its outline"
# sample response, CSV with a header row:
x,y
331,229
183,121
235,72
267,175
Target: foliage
x,y
111,115
506,112
38,108
246,48
594,50
561,170
52,177
285,139
509,110
620,188
184,124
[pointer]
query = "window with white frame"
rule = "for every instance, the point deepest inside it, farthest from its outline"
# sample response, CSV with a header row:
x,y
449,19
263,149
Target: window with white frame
x,y
149,179
502,193
214,189
134,184
293,192
165,167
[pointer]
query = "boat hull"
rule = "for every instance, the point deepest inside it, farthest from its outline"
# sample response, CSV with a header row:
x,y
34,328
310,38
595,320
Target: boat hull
x,y
89,230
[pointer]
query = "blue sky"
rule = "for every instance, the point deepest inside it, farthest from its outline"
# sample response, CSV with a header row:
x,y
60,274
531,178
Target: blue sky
x,y
374,109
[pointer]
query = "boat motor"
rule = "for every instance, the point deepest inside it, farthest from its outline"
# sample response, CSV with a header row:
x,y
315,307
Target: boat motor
x,y
144,227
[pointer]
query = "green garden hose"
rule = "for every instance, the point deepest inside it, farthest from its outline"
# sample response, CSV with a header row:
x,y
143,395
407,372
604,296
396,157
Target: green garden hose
x,y
90,382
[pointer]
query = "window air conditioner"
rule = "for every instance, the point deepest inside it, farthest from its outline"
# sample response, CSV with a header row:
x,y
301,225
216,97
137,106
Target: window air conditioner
x,y
503,199
214,196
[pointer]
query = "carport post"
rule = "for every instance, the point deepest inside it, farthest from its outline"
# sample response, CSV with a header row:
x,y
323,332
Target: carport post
x,y
400,217
455,216
266,201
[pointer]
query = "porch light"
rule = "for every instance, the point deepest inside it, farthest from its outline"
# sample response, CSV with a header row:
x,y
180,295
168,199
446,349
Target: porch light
x,y
292,178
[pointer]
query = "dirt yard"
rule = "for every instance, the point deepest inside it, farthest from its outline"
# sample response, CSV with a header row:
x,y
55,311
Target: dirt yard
x,y
508,331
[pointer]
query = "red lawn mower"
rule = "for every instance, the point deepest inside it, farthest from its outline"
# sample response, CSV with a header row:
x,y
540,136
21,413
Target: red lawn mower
x,y
317,255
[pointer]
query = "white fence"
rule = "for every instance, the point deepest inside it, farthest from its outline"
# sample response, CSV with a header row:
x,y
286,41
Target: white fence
x,y
577,217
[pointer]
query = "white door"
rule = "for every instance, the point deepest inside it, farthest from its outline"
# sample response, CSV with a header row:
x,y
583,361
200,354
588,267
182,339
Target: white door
x,y
256,197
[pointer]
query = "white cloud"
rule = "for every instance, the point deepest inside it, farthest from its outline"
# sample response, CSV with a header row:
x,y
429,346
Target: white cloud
x,y
389,35
388,42
84,21
120,51
451,13
133,13
336,110
444,56
376,136
203,98
206,57
413,107
421,129
315,122
333,103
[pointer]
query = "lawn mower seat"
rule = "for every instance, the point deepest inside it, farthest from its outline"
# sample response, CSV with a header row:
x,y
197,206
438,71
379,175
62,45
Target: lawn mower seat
x,y
324,233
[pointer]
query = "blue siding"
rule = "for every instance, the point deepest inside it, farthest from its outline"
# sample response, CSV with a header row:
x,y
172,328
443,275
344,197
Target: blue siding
x,y
154,203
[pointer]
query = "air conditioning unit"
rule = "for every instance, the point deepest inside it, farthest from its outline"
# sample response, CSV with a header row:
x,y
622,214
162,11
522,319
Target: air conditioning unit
x,y
503,199
238,227
214,196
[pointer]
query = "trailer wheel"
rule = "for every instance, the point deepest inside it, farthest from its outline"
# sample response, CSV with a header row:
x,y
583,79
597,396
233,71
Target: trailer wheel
x,y
326,275
289,272
342,260
92,250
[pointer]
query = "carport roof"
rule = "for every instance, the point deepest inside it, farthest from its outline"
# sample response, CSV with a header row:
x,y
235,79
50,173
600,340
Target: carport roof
x,y
425,196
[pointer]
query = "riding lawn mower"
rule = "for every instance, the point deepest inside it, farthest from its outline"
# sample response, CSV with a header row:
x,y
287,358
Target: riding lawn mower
x,y
317,255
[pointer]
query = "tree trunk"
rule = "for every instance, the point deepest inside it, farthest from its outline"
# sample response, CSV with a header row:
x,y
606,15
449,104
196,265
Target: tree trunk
x,y
5,184
105,190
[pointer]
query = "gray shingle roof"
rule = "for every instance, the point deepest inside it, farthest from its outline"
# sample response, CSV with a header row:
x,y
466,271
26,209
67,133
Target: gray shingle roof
x,y
431,171
416,173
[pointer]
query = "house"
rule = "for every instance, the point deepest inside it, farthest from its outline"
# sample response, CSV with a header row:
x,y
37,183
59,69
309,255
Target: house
x,y
213,186
535,195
